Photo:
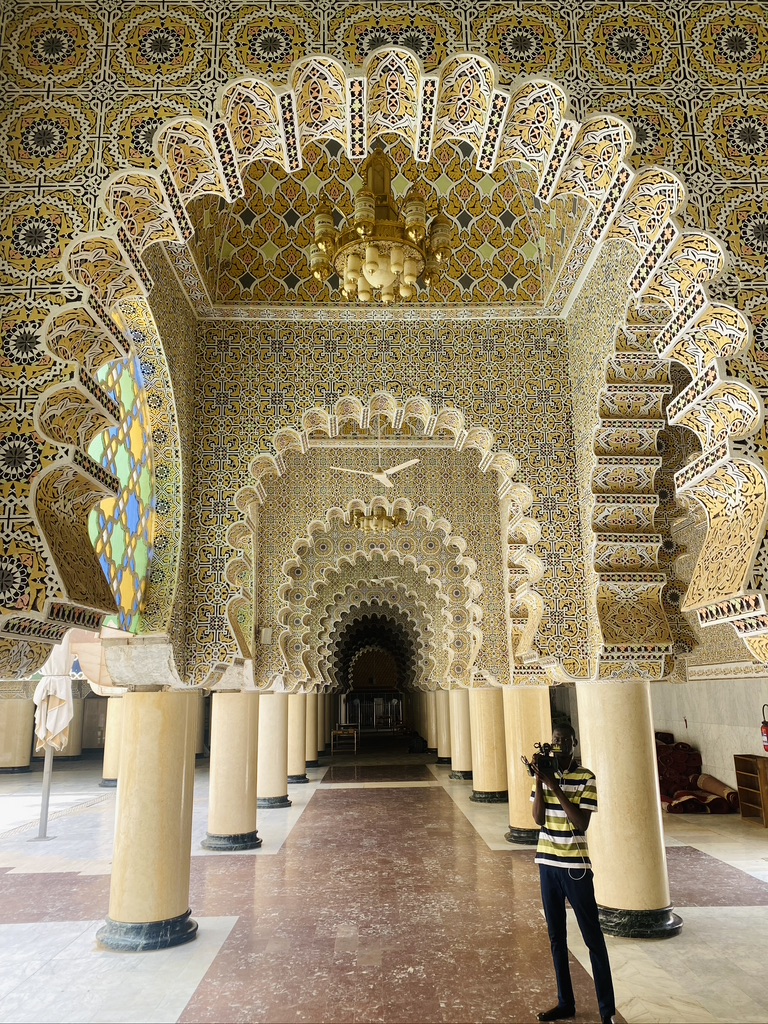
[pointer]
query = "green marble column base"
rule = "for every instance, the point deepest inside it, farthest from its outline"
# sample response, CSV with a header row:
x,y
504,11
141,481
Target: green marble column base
x,y
241,841
137,938
522,836
641,924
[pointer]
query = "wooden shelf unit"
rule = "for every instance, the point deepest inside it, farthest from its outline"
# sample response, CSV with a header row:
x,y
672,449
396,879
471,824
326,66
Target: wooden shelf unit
x,y
752,783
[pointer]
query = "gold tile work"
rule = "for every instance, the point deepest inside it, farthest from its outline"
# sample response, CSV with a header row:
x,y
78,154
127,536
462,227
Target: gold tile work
x,y
87,86
42,49
734,135
54,137
285,369
147,45
253,44
431,31
256,250
729,43
130,124
34,234
636,46
525,42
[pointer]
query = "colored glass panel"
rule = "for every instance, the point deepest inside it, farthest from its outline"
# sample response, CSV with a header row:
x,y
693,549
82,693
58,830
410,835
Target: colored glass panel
x,y
121,529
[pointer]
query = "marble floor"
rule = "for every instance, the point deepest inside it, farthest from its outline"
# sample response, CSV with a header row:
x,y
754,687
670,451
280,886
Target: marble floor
x,y
382,894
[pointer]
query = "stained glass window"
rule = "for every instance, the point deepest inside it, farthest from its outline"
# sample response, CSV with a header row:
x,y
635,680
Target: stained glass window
x,y
122,528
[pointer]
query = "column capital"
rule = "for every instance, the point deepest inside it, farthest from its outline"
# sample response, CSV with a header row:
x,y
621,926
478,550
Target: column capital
x,y
141,663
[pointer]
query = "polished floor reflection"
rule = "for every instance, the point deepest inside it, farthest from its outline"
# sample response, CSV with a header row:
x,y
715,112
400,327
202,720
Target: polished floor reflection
x,y
382,894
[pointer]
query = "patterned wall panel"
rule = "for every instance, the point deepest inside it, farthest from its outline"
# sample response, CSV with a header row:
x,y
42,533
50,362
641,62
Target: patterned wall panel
x,y
506,377
85,88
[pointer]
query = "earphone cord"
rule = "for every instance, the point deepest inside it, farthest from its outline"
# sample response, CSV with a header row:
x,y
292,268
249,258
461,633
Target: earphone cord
x,y
585,866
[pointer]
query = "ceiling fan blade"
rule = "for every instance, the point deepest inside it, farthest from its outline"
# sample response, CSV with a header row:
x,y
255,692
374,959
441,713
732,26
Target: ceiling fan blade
x,y
403,465
382,478
358,472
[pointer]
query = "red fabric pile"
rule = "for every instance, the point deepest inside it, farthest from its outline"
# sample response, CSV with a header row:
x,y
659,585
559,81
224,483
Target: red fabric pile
x,y
677,763
680,781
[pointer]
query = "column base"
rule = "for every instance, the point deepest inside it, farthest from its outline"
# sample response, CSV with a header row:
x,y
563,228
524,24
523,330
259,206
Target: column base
x,y
313,764
273,801
460,775
298,778
641,924
137,938
323,752
443,760
108,783
16,771
493,797
522,836
241,841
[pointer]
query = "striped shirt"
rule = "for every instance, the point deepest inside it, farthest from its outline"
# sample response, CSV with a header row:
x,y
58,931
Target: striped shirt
x,y
561,844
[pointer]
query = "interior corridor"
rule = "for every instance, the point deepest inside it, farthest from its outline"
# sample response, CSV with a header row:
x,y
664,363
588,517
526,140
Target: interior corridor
x,y
381,894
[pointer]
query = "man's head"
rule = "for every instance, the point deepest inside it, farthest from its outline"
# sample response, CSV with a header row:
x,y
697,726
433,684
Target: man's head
x,y
564,739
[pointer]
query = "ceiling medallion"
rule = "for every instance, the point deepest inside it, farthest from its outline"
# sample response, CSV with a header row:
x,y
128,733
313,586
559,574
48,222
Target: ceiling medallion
x,y
381,251
377,522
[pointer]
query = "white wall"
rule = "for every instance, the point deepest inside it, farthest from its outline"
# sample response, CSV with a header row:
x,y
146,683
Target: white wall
x,y
720,717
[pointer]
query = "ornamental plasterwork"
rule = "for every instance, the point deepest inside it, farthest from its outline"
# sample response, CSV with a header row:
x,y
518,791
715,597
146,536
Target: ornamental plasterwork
x,y
389,629
392,601
423,545
103,268
416,424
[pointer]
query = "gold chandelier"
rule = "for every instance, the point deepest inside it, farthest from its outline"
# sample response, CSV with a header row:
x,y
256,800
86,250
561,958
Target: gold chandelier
x,y
380,252
378,521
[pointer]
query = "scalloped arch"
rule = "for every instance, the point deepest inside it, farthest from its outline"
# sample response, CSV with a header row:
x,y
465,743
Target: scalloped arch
x,y
338,604
432,553
460,100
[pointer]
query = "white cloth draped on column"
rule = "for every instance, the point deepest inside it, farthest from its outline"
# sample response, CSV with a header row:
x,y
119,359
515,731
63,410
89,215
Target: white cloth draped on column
x,y
53,715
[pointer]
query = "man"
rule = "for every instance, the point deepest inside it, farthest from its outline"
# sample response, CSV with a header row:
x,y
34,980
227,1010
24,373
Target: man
x,y
564,798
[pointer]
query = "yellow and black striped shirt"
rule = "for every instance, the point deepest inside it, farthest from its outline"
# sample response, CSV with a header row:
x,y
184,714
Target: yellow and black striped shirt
x,y
561,844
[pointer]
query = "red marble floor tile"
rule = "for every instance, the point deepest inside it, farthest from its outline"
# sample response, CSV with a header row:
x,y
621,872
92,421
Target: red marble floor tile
x,y
378,773
52,897
698,880
393,909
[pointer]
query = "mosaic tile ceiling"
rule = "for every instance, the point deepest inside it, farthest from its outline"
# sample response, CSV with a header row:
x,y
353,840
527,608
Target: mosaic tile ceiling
x,y
255,250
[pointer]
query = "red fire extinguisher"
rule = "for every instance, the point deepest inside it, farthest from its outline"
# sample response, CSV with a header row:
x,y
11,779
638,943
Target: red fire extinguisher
x,y
764,729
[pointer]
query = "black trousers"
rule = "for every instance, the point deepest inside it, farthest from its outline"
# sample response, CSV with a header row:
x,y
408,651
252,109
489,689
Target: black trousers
x,y
557,886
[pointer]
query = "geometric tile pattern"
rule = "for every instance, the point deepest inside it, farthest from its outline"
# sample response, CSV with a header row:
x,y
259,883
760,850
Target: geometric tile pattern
x,y
258,377
85,92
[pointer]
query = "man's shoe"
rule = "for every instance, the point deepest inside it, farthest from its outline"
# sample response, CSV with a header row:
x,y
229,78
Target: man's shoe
x,y
608,1020
557,1013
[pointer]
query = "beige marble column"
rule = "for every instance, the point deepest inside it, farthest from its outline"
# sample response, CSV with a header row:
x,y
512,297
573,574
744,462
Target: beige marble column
x,y
297,737
331,716
113,732
626,838
443,716
272,778
527,720
200,725
320,724
17,725
234,768
489,758
431,721
310,735
461,734
149,890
